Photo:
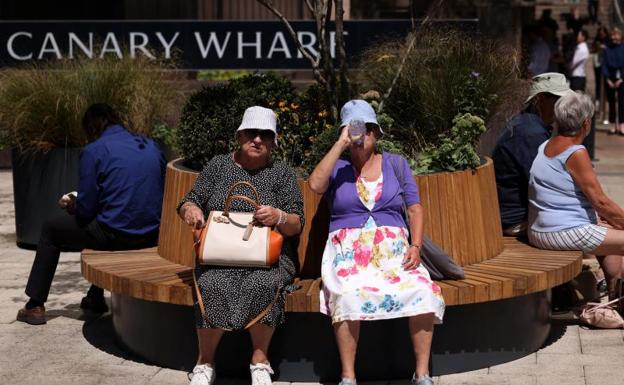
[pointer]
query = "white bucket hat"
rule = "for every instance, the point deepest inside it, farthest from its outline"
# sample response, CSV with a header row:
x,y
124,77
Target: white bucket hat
x,y
358,109
549,82
259,118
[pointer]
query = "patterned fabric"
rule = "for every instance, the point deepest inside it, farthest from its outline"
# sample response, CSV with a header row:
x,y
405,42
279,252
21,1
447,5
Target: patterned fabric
x,y
363,276
234,296
585,238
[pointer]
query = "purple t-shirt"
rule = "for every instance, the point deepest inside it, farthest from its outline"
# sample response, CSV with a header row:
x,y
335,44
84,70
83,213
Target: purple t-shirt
x,y
347,210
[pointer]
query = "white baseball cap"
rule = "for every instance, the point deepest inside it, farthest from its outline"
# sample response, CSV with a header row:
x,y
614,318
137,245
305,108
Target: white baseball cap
x,y
259,118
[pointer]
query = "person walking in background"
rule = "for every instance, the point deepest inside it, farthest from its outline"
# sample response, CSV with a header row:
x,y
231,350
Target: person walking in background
x,y
592,11
539,52
613,71
117,206
601,40
576,68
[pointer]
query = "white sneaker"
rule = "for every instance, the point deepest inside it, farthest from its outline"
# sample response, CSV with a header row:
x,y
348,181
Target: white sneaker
x,y
261,374
202,375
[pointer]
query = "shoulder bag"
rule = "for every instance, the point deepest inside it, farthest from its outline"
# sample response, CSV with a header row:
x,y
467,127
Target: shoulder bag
x,y
234,239
437,262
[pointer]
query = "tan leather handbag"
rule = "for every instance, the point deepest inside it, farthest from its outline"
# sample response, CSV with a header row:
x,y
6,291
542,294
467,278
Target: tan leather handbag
x,y
234,239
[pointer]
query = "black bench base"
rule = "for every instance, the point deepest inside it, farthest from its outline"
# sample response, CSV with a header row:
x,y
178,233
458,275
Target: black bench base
x,y
304,350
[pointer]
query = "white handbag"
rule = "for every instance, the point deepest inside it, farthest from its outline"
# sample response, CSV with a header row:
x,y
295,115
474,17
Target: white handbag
x,y
234,239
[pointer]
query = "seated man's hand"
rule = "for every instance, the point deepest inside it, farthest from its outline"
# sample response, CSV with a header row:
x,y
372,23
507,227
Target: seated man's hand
x,y
68,202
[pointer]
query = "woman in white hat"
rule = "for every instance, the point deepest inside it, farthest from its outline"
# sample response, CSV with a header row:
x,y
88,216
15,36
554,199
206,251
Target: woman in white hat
x,y
371,264
239,298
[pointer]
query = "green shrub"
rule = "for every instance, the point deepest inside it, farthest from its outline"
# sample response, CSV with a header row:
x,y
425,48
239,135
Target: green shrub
x,y
212,115
448,72
455,151
41,106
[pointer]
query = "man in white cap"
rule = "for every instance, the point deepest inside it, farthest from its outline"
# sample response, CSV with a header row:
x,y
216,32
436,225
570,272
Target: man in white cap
x,y
517,147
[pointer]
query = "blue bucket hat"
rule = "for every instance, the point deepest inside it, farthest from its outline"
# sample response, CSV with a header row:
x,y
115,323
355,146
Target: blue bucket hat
x,y
358,109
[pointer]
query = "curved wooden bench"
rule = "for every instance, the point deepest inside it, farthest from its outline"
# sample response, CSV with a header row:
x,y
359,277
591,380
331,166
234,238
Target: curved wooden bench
x,y
519,270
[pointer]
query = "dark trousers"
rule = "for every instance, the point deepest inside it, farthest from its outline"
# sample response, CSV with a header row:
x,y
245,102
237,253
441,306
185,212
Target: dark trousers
x,y
599,79
577,83
620,104
65,233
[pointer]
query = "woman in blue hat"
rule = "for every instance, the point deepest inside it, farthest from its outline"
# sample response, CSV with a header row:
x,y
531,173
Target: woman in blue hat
x,y
371,264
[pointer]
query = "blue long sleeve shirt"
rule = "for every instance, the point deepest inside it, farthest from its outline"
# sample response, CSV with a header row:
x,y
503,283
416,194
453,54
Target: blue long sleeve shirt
x,y
121,182
613,62
513,156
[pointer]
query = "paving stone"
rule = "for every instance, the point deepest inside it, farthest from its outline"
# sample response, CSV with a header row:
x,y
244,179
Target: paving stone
x,y
597,341
487,379
556,364
604,375
546,379
169,377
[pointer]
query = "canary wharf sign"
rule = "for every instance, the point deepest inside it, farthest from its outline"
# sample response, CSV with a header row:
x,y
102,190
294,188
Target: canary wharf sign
x,y
192,44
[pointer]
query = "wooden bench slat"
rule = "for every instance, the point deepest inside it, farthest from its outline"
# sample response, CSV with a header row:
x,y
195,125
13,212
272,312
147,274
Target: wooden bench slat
x,y
520,269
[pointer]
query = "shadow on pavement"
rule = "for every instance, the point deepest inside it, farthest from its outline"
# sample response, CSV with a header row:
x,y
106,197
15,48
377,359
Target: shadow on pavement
x,y
99,332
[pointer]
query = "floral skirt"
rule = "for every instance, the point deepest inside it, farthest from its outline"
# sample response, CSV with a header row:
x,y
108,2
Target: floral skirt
x,y
363,277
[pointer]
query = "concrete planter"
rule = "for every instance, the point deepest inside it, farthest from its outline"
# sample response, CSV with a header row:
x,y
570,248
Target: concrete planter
x,y
39,180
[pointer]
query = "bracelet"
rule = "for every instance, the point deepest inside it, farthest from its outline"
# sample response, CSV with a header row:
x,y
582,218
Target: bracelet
x,y
414,245
282,218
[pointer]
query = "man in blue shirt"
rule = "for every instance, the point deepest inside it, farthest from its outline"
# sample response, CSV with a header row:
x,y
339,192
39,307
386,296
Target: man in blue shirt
x,y
517,147
117,206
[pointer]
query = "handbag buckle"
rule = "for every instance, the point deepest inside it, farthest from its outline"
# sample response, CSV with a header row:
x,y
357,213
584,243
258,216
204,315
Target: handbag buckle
x,y
221,219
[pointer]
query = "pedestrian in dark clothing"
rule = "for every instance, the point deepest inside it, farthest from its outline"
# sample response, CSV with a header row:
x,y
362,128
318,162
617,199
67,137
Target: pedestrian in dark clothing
x,y
517,147
117,206
592,10
613,71
600,43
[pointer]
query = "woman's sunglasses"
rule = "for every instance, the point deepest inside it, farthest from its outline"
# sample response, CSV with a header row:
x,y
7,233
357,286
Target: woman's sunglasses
x,y
252,133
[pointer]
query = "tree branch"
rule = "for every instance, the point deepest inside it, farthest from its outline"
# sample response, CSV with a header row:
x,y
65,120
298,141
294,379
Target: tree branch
x,y
268,4
342,54
410,47
310,7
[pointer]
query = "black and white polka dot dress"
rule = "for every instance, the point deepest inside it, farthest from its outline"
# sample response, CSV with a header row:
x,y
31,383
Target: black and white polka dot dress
x,y
233,297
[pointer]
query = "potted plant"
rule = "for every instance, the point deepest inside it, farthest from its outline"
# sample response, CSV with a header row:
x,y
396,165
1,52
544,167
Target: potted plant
x,y
41,109
448,93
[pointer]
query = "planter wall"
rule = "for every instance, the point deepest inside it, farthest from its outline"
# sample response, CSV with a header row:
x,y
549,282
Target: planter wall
x,y
462,217
39,180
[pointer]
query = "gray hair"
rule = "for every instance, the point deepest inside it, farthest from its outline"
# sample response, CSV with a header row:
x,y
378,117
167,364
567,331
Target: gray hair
x,y
571,110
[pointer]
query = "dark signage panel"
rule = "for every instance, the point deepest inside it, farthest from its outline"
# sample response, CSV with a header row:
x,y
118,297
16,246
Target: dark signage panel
x,y
193,44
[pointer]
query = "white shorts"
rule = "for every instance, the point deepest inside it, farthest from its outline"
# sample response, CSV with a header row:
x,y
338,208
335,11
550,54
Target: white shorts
x,y
585,238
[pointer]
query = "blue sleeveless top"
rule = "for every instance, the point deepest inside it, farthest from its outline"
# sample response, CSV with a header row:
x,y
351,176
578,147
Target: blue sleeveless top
x,y
556,203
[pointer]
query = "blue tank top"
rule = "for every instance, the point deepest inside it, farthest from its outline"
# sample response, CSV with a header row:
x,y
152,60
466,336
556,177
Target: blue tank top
x,y
556,203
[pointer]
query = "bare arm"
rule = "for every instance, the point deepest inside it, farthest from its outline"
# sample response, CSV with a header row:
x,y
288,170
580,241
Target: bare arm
x,y
417,227
579,166
319,179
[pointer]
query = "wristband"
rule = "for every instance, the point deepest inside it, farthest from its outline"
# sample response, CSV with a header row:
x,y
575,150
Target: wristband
x,y
282,218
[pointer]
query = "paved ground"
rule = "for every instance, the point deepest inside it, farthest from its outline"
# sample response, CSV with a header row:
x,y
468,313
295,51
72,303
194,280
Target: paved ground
x,y
73,350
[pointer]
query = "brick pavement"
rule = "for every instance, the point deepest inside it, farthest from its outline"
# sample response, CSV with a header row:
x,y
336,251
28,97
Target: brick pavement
x,y
72,349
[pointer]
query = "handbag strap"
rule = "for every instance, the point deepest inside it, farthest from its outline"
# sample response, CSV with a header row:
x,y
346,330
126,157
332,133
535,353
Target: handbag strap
x,y
231,198
607,304
244,183
202,308
398,172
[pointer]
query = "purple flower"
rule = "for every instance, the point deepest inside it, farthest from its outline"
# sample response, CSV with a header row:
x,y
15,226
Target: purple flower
x,y
475,74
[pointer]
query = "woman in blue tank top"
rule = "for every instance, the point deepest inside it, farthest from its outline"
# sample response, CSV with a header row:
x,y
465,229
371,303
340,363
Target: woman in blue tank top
x,y
568,210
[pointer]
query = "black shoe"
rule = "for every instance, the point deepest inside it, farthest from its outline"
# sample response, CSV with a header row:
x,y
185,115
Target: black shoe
x,y
94,304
